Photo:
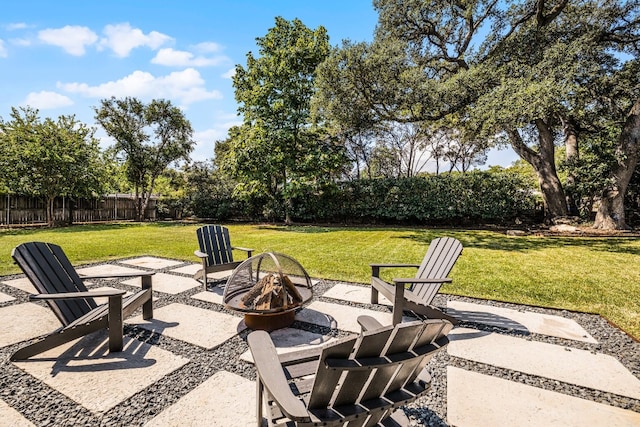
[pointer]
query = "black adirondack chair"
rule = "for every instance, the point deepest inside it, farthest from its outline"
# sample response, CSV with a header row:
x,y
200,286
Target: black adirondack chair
x,y
58,283
216,252
356,381
440,258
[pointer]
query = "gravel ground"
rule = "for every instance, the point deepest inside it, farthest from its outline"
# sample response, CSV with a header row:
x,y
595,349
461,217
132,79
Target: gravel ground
x,y
44,406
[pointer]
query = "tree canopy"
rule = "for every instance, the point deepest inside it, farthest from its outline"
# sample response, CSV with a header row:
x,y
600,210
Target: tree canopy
x,y
150,137
278,150
48,158
533,74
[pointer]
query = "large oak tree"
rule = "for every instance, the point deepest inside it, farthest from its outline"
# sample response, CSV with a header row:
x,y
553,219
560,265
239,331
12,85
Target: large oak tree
x,y
528,73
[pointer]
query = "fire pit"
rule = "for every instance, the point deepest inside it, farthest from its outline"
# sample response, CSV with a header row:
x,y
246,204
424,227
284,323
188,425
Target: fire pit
x,y
268,288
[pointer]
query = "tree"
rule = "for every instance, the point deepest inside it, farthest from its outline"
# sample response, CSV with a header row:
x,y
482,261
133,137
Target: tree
x,y
50,158
522,71
277,150
151,137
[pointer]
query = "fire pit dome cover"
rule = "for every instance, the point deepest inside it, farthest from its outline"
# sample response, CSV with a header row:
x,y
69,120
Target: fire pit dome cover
x,y
286,272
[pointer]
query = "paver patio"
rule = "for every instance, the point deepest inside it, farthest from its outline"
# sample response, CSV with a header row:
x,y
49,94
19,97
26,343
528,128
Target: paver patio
x,y
193,352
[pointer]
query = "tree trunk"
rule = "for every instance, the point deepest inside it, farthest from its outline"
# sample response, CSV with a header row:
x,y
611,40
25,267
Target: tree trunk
x,y
543,162
610,215
572,156
139,214
50,208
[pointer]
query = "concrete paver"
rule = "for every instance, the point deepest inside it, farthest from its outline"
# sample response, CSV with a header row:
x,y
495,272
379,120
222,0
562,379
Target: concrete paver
x,y
151,262
338,316
225,399
524,321
23,284
11,417
359,294
194,325
5,297
190,269
25,321
211,295
580,367
475,399
87,373
288,340
106,269
167,283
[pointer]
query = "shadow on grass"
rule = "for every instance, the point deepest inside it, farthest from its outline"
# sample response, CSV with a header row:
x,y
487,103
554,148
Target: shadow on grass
x,y
497,241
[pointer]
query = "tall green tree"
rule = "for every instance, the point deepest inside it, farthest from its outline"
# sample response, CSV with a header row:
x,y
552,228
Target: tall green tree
x,y
50,159
277,150
150,138
524,73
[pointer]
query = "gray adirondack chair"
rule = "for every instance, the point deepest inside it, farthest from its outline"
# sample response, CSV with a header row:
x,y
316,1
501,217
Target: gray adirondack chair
x,y
355,381
440,258
58,283
216,252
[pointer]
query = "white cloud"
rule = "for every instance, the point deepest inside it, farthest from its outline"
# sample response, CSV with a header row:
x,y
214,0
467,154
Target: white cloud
x,y
208,47
20,42
181,58
3,49
184,87
205,139
71,38
46,100
122,39
229,74
16,26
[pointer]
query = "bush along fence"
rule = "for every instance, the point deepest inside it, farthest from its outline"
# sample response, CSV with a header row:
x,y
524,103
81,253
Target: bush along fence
x,y
25,210
453,199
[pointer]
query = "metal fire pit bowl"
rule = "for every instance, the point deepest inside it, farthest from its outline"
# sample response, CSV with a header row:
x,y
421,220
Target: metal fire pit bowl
x,y
250,272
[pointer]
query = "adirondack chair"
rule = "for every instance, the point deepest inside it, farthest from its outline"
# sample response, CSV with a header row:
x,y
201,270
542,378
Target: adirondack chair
x,y
358,380
58,283
215,251
442,254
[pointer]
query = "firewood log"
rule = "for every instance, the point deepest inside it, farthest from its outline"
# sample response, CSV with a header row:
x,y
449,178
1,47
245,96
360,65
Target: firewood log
x,y
292,290
255,291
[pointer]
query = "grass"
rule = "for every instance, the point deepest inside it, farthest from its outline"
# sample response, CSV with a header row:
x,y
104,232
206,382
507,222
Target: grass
x,y
596,275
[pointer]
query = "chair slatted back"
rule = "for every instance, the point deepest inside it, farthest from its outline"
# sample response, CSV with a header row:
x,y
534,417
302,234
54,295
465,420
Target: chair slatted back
x,y
358,372
214,241
50,271
441,256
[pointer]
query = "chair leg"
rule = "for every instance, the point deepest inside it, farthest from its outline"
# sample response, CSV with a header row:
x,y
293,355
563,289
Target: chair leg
x,y
398,303
204,273
259,408
147,307
115,324
375,272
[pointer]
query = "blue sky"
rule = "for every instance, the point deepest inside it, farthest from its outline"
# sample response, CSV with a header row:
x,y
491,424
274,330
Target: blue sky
x,y
63,57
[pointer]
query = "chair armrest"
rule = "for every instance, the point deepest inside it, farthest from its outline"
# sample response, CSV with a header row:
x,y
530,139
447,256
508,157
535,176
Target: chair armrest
x,y
418,280
368,323
242,249
271,375
247,250
106,276
395,265
75,295
375,268
200,254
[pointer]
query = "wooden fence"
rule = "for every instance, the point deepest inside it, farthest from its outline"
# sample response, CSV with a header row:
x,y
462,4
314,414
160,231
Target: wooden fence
x,y
23,210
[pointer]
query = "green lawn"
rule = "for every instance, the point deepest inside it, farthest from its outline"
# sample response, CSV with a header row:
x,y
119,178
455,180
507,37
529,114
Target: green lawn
x,y
598,275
